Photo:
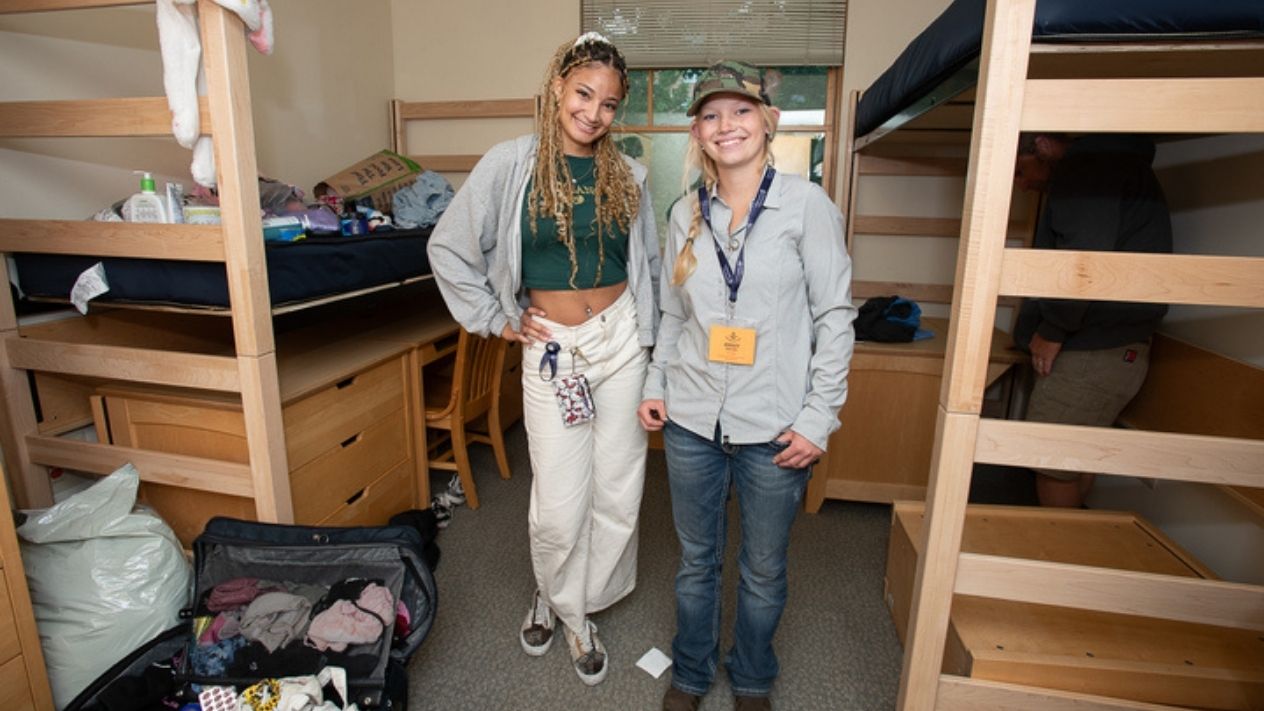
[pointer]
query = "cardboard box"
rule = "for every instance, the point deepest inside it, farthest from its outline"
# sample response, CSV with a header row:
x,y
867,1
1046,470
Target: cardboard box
x,y
377,177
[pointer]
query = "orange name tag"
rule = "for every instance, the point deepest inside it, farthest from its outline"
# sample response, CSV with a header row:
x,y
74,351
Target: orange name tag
x,y
732,344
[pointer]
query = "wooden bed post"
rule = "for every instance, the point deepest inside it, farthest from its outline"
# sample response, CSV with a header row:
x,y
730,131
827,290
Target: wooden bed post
x,y
29,482
228,89
989,185
851,168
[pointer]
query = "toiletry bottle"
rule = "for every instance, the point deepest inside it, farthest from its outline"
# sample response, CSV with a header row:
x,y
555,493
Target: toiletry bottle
x,y
175,203
144,206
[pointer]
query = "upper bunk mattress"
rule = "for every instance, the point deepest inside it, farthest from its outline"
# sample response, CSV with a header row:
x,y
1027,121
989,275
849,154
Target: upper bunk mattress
x,y
297,271
956,36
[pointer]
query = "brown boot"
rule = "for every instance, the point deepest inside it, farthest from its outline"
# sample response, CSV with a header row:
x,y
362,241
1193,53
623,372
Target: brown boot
x,y
677,700
752,703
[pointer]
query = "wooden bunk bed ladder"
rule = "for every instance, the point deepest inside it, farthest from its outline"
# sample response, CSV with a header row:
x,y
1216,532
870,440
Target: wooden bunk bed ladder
x,y
1009,103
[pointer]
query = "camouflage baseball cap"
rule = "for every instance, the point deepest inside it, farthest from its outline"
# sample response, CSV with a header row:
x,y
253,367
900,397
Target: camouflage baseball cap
x,y
728,77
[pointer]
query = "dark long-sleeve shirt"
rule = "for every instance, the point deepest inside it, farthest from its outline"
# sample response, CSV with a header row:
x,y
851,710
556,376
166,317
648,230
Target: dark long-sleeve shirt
x,y
1103,196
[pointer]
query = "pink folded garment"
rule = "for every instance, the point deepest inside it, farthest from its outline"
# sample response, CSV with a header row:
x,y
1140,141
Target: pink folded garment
x,y
346,622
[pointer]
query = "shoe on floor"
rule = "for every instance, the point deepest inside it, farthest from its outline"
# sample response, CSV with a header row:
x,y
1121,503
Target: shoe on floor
x,y
752,703
537,628
677,700
588,654
455,492
443,514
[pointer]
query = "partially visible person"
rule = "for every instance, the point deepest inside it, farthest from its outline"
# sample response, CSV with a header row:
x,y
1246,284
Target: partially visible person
x,y
1090,357
748,376
551,241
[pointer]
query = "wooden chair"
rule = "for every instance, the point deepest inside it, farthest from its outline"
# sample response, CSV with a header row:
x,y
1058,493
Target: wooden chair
x,y
452,404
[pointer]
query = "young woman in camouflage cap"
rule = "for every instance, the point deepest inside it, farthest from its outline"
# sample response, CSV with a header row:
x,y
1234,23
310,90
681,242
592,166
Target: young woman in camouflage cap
x,y
551,241
748,375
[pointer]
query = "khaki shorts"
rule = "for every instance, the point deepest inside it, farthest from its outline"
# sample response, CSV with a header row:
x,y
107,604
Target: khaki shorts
x,y
1088,388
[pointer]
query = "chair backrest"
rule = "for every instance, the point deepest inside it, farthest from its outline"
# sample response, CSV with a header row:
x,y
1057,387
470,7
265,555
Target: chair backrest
x,y
476,380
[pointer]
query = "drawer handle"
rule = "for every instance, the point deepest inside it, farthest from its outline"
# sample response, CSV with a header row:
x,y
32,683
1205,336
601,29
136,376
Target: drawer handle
x,y
355,497
346,383
351,440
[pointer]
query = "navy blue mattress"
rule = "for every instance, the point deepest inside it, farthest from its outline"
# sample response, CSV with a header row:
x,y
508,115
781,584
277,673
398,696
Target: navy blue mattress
x,y
954,39
297,271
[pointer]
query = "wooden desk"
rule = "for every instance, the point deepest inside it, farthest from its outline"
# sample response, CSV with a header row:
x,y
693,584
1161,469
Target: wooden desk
x,y
882,452
431,335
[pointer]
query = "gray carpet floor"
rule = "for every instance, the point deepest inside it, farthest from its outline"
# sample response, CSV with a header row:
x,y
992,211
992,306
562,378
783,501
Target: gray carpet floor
x,y
837,645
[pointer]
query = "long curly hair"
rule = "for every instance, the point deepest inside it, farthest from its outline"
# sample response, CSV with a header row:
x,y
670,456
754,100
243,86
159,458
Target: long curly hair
x,y
552,194
697,161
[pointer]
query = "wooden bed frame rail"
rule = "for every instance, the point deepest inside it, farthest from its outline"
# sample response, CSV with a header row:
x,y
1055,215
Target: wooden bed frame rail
x,y
1009,102
403,112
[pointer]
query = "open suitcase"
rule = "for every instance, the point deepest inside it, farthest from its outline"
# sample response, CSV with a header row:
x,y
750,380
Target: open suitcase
x,y
401,556
305,562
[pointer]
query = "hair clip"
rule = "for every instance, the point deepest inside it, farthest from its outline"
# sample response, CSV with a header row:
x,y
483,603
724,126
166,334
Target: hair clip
x,y
591,37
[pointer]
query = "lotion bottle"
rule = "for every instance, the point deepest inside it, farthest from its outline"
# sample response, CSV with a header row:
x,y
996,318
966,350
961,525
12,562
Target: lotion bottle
x,y
144,206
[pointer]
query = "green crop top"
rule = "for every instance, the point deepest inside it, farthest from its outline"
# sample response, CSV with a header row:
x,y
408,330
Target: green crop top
x,y
545,261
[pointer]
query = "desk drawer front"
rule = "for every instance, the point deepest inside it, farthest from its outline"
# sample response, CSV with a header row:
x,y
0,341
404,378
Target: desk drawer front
x,y
379,501
326,418
324,484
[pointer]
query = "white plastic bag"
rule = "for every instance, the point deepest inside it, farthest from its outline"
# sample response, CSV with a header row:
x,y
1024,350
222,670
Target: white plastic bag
x,y
104,580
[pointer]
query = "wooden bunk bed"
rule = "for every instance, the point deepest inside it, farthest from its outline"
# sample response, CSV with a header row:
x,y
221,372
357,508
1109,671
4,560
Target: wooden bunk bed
x,y
1157,82
276,414
882,452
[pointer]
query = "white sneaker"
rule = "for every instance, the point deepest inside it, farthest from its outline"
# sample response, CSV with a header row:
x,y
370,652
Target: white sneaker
x,y
455,492
588,654
536,634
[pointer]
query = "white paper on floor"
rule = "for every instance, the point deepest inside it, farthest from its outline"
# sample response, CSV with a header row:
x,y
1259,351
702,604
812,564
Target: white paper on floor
x,y
654,662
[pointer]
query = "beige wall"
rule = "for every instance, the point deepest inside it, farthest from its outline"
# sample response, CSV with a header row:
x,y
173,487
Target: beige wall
x,y
478,49
1214,189
319,101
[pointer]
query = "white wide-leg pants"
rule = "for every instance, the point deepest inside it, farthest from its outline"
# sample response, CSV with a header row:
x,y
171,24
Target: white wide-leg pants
x,y
587,479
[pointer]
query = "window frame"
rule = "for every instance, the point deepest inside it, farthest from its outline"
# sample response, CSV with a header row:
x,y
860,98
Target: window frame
x,y
830,129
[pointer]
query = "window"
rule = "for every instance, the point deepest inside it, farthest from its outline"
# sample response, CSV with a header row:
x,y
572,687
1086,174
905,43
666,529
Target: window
x,y
652,126
683,33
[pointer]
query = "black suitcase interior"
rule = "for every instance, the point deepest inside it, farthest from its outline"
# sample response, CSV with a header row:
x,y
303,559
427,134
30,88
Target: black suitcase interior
x,y
319,565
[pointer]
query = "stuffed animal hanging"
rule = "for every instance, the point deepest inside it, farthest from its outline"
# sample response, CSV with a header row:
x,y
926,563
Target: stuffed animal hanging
x,y
183,78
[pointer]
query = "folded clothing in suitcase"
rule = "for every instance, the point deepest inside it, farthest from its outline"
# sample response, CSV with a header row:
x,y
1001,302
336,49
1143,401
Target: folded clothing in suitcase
x,y
276,601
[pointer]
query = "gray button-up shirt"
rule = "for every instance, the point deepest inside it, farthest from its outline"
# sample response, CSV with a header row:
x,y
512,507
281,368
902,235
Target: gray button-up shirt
x,y
796,294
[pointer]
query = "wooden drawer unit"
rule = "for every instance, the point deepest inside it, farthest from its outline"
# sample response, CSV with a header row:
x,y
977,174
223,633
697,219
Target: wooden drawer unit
x,y
339,439
1137,658
337,474
328,417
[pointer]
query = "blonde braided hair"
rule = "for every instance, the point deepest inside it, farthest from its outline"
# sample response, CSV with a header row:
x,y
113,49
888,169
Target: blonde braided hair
x,y
618,198
697,159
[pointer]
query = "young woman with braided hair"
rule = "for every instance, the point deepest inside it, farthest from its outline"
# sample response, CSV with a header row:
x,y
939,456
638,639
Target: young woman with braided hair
x,y
749,372
551,241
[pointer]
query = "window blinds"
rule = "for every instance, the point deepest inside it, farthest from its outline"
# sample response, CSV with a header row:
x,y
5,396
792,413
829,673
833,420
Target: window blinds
x,y
692,33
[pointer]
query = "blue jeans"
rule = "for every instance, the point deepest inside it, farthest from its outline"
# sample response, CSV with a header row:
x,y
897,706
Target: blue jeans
x,y
701,471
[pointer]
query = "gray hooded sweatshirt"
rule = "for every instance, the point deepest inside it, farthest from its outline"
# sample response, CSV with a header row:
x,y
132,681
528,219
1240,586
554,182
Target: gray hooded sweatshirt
x,y
476,249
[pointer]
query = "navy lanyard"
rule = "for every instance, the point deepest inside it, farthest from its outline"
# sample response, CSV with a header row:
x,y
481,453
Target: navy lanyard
x,y
733,274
